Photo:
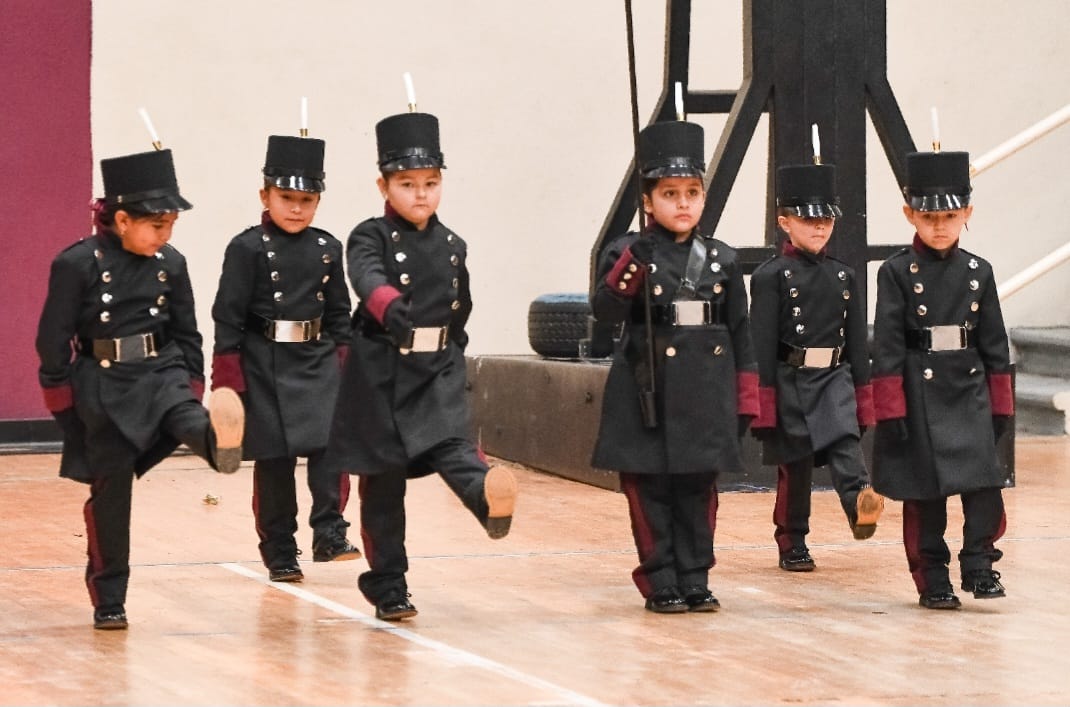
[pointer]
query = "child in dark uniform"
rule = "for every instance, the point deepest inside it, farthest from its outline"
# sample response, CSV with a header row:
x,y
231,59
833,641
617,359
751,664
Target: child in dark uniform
x,y
813,363
703,390
402,411
121,363
281,333
942,386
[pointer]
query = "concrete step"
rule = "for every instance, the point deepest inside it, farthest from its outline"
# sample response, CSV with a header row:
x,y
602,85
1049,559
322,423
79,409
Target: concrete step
x,y
1042,351
1041,404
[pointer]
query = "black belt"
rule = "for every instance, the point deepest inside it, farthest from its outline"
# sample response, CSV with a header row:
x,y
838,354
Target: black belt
x,y
951,337
123,349
284,330
686,313
811,357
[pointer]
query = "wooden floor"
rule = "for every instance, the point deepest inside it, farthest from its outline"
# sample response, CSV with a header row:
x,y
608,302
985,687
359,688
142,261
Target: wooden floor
x,y
547,616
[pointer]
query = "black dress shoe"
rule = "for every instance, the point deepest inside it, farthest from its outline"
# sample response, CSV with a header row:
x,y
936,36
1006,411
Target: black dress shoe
x,y
292,573
942,599
984,584
334,547
797,559
395,607
110,619
700,598
666,601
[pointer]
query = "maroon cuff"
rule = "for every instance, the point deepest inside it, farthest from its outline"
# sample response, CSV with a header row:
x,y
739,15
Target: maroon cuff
x,y
380,299
226,371
58,398
747,393
867,415
342,351
889,401
766,408
1000,393
198,388
627,275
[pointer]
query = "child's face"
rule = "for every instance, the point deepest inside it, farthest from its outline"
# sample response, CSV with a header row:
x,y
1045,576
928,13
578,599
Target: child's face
x,y
290,209
939,229
807,234
144,235
414,193
676,203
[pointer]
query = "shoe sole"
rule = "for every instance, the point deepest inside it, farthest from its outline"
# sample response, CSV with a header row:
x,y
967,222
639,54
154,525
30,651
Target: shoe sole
x,y
969,588
500,489
288,578
707,608
809,567
869,507
942,606
227,416
110,625
396,616
355,554
681,609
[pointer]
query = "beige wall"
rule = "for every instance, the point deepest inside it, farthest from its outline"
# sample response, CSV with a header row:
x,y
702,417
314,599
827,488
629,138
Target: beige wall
x,y
533,102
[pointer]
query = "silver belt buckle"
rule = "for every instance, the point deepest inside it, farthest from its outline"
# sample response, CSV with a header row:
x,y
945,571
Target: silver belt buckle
x,y
949,337
690,313
426,339
290,332
819,358
134,347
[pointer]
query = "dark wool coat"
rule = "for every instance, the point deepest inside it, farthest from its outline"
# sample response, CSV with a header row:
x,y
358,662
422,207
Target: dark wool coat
x,y
394,406
947,398
809,301
289,387
704,375
98,290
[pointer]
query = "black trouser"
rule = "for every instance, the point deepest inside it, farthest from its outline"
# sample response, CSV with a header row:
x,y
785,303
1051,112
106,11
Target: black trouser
x,y
791,512
275,506
924,524
673,521
107,510
382,511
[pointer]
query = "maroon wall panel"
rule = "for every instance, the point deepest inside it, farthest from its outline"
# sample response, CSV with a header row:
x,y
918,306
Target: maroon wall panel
x,y
46,173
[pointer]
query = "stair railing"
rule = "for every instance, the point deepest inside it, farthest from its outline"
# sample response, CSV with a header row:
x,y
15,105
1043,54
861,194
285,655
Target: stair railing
x,y
1002,152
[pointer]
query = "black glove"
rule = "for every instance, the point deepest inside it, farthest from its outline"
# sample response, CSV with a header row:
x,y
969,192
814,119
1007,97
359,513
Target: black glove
x,y
69,423
743,423
1000,425
901,429
397,322
763,434
643,250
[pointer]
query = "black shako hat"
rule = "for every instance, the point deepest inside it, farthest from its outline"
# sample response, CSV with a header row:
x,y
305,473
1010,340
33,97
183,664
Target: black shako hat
x,y
809,190
295,163
144,181
408,141
671,149
937,181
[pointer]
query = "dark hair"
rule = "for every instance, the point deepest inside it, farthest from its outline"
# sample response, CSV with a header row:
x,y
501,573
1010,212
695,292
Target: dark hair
x,y
104,213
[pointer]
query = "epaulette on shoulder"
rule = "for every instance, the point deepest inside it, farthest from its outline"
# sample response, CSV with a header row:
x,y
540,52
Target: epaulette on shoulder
x,y
85,241
899,253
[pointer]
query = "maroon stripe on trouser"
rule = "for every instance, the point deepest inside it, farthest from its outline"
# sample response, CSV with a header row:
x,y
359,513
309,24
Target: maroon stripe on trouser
x,y
366,538
1002,527
256,504
780,510
641,531
911,543
715,502
96,562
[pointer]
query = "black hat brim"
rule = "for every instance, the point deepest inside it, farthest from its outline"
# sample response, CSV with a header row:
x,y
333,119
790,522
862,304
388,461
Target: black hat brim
x,y
938,202
158,205
306,184
412,162
672,170
815,210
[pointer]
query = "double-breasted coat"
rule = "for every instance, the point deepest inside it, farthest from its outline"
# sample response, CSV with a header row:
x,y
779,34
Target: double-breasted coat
x,y
394,406
705,376
806,300
944,400
289,387
99,290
